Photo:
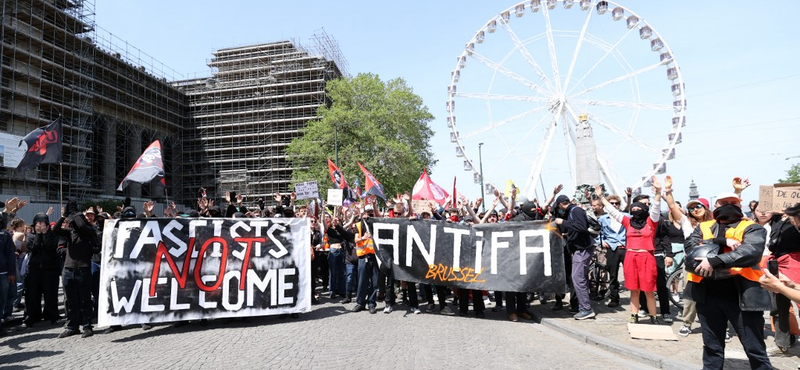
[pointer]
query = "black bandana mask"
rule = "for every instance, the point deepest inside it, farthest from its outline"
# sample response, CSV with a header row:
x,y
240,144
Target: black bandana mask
x,y
639,218
728,214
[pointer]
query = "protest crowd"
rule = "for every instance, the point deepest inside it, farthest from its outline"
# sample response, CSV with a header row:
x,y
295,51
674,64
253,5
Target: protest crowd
x,y
724,247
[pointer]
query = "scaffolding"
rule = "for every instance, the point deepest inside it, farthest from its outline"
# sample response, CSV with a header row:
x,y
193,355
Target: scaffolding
x,y
226,132
245,114
113,100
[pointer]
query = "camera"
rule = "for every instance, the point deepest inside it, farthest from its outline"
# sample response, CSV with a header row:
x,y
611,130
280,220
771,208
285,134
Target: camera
x,y
285,201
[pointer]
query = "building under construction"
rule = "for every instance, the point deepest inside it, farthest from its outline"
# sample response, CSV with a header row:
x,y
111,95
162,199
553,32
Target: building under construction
x,y
224,132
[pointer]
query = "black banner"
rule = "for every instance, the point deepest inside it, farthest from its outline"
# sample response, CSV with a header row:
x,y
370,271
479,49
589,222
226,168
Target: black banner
x,y
509,256
162,269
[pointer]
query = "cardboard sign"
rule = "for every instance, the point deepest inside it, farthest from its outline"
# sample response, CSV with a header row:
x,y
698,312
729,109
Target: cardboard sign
x,y
652,332
306,190
778,197
420,206
335,197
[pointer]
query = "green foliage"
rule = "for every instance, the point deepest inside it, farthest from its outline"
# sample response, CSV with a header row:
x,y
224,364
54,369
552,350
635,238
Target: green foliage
x,y
107,205
792,174
384,125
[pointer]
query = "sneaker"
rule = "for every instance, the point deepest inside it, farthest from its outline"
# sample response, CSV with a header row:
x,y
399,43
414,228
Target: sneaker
x,y
676,297
727,336
388,308
358,308
373,310
525,315
109,330
634,318
685,330
447,311
147,326
430,308
415,311
654,320
667,318
643,315
583,315
613,304
68,333
87,333
498,308
346,300
513,317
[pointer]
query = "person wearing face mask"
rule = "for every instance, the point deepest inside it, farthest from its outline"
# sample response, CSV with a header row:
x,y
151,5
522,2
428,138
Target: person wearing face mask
x,y
639,265
722,257
42,274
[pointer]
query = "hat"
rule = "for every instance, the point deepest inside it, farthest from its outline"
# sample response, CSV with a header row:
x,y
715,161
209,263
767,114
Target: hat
x,y
369,207
793,210
41,217
89,210
493,212
702,201
729,195
562,199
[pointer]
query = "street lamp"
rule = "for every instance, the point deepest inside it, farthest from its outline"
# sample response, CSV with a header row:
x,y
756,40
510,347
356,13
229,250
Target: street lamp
x,y
480,163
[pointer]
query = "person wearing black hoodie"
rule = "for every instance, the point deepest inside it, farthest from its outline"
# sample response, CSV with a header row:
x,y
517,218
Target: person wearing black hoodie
x,y
42,280
581,245
77,274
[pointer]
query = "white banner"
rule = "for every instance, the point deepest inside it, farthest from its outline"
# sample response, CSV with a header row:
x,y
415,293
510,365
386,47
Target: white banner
x,y
163,269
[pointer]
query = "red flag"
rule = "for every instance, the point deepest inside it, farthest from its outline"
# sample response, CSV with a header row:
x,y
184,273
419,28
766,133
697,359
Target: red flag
x,y
149,166
425,188
44,146
371,184
336,175
455,194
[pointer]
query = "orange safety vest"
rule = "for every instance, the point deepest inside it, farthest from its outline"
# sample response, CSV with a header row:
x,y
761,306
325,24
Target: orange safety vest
x,y
737,233
365,246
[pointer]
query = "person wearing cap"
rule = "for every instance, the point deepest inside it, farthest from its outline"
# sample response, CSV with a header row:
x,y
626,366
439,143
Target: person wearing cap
x,y
42,280
580,243
722,260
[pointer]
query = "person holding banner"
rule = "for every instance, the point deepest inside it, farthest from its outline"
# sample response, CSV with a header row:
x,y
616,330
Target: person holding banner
x,y
367,291
335,256
580,242
77,274
42,273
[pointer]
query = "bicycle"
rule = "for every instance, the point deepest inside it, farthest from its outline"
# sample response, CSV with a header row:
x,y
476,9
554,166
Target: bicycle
x,y
598,277
676,283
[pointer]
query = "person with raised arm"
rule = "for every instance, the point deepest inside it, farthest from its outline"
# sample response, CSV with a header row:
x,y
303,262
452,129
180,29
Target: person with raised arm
x,y
639,265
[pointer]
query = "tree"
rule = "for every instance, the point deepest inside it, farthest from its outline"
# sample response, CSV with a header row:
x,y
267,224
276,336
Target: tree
x,y
384,125
792,174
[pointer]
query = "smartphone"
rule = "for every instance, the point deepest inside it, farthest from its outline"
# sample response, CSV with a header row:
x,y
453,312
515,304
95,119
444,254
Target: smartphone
x,y
772,266
233,196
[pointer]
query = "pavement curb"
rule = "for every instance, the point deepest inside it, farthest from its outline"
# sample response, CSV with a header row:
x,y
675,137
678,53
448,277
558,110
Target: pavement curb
x,y
604,343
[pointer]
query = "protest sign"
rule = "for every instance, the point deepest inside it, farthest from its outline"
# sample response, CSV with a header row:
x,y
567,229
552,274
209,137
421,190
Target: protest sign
x,y
509,256
420,206
162,269
306,190
778,197
335,197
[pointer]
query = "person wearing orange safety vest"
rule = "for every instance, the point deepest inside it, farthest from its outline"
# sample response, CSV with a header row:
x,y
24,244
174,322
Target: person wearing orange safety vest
x,y
367,290
722,258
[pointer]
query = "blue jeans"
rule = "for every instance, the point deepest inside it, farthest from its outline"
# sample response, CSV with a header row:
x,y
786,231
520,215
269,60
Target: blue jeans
x,y
336,268
367,281
95,286
11,295
78,288
351,277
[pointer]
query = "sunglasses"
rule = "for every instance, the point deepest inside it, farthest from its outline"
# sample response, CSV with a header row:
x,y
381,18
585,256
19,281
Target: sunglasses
x,y
696,207
614,203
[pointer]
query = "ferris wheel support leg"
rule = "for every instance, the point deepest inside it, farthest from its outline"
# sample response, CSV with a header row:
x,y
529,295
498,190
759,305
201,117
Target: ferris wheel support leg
x,y
541,155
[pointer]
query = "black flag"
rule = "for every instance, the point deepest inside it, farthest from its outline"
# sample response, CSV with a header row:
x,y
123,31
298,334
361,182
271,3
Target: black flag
x,y
149,166
44,146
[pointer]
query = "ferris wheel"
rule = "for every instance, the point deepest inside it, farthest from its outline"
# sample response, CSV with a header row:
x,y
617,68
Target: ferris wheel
x,y
564,91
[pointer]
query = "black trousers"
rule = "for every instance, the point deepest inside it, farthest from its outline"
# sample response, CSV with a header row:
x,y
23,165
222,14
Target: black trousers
x,y
463,301
515,302
781,317
614,259
441,293
41,283
78,291
411,295
714,315
498,299
661,288
573,298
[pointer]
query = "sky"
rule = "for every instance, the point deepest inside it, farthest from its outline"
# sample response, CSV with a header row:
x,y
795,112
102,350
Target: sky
x,y
738,63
